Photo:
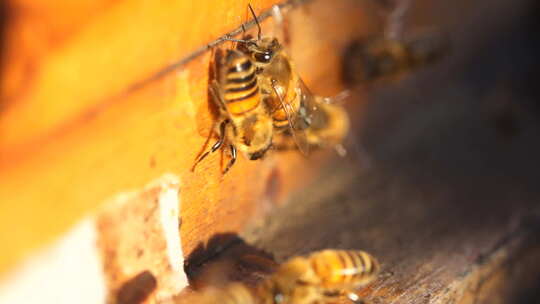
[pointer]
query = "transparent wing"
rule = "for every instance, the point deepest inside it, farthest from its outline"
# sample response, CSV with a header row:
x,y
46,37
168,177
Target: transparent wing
x,y
311,114
296,128
338,99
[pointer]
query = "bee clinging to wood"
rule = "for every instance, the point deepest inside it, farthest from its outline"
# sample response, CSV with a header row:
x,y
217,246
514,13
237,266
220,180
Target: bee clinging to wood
x,y
243,123
290,103
321,277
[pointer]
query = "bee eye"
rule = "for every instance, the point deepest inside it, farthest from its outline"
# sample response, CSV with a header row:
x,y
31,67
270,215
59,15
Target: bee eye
x,y
263,57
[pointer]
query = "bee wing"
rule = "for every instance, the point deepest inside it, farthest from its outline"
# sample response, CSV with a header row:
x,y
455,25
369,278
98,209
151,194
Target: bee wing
x,y
298,133
216,96
311,112
338,99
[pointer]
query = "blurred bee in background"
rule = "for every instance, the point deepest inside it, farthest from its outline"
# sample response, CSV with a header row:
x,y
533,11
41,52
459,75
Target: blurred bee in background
x,y
329,124
244,123
321,277
367,61
310,121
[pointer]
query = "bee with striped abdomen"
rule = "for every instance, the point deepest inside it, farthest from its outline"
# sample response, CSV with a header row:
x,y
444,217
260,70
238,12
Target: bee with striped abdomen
x,y
281,86
244,123
307,121
321,277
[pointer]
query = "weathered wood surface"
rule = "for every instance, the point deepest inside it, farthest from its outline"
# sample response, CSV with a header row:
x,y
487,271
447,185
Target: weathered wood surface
x,y
446,193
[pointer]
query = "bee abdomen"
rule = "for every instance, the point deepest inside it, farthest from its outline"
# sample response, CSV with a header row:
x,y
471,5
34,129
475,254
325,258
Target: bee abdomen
x,y
240,88
344,267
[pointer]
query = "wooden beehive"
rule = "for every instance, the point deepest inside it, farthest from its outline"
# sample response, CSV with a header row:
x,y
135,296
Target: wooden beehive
x,y
104,109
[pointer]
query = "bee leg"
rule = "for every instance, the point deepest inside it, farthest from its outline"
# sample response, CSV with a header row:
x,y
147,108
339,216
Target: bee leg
x,y
233,159
218,143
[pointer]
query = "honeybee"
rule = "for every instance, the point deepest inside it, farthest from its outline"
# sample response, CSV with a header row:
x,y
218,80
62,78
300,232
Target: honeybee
x,y
377,58
244,123
328,125
284,92
321,277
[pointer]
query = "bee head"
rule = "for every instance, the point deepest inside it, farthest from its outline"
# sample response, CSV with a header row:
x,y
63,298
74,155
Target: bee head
x,y
263,51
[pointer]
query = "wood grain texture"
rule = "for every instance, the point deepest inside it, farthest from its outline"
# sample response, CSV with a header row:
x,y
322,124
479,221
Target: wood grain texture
x,y
95,102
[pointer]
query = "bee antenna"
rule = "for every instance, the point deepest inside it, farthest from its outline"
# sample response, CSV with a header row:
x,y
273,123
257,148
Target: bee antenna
x,y
235,40
256,21
243,32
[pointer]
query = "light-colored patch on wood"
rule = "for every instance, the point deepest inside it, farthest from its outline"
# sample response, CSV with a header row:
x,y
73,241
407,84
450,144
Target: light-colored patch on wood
x,y
140,243
68,272
129,251
169,206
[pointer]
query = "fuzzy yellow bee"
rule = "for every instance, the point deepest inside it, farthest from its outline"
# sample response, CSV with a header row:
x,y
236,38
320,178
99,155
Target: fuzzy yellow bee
x,y
244,123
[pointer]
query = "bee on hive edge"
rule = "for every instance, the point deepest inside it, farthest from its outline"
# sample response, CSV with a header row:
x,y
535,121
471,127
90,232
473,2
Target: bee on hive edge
x,y
244,123
289,101
321,277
